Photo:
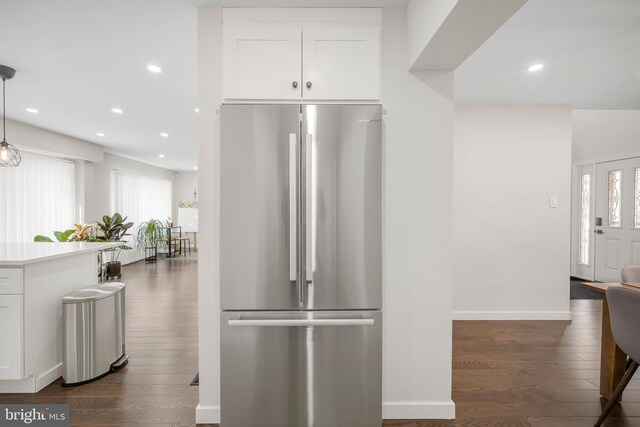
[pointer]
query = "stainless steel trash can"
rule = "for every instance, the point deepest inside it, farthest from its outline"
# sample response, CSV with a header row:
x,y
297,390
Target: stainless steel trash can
x,y
93,322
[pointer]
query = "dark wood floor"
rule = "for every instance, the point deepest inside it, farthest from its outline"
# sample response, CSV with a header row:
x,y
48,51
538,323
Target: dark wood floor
x,y
532,374
529,374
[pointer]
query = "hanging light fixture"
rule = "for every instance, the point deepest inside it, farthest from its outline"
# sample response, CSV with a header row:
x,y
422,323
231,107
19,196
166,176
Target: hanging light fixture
x,y
9,155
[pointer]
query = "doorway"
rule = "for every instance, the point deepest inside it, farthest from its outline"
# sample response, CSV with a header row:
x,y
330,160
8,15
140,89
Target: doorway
x,y
617,218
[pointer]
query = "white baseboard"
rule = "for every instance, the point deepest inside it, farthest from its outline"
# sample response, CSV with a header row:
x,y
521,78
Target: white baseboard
x,y
32,384
419,410
511,315
26,385
48,377
390,411
207,414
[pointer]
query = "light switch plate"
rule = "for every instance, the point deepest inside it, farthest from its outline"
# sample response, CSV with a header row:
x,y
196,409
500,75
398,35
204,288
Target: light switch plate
x,y
553,201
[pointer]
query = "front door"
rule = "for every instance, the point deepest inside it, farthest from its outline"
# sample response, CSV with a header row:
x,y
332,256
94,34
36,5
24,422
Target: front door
x,y
617,219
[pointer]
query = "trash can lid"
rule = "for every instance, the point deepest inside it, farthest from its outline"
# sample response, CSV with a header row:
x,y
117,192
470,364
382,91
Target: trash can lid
x,y
92,294
113,287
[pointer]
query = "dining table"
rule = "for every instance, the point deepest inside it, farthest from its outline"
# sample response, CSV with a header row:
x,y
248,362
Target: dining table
x,y
613,360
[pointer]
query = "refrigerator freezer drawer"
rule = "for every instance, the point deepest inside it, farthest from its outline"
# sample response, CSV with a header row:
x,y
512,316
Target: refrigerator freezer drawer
x,y
301,369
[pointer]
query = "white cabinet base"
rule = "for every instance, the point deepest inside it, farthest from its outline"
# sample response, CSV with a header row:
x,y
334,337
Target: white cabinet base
x,y
12,349
32,322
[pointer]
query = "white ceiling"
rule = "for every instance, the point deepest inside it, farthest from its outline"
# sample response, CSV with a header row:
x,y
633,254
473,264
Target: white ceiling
x,y
590,50
77,59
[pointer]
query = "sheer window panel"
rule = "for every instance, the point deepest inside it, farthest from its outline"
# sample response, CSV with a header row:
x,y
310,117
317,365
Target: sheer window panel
x,y
37,197
140,197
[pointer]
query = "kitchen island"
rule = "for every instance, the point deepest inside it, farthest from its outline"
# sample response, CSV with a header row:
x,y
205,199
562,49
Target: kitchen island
x,y
33,279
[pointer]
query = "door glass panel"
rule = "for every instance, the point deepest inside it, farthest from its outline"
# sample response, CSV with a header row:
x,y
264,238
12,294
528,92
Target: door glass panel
x,y
585,218
636,193
615,194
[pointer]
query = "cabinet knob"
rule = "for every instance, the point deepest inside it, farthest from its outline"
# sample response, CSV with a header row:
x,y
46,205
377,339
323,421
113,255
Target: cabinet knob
x,y
308,85
294,84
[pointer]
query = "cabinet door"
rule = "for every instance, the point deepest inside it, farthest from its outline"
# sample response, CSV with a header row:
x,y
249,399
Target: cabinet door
x,y
262,63
11,350
341,63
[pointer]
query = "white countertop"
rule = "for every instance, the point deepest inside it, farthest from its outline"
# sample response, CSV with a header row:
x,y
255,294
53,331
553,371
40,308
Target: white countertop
x,y
18,254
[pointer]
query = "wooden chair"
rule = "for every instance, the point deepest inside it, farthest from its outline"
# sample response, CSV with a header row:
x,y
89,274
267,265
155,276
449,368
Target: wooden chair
x,y
624,309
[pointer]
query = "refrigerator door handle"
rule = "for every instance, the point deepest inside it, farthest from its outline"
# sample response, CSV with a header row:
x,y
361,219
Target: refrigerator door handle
x,y
301,322
308,220
293,215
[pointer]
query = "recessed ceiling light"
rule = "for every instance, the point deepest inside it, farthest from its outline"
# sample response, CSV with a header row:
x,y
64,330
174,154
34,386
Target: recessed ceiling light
x,y
161,156
195,168
154,68
164,135
99,133
31,110
536,67
197,110
117,110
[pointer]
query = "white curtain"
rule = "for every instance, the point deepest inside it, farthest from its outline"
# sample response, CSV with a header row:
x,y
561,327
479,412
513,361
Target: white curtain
x,y
140,197
36,197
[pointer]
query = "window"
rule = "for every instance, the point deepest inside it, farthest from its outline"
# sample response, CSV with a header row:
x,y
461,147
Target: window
x,y
140,197
37,197
636,193
585,218
615,192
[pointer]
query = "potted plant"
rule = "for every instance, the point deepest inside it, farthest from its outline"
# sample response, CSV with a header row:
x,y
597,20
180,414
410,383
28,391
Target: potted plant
x,y
148,236
114,229
80,233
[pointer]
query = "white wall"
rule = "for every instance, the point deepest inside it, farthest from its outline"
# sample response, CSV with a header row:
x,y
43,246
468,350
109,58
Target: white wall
x,y
98,182
511,250
186,184
424,17
417,238
600,135
45,141
209,98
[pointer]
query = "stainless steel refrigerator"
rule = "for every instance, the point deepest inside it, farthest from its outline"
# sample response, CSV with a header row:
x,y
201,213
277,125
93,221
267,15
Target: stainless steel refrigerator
x,y
301,265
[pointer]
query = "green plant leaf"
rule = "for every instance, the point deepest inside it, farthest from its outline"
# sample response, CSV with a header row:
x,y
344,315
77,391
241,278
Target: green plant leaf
x,y
117,218
40,238
63,236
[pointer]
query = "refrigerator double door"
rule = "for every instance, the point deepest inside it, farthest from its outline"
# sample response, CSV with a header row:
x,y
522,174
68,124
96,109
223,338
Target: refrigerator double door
x,y
301,207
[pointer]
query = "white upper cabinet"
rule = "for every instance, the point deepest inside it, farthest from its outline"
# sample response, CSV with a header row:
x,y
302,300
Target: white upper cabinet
x,y
301,54
262,62
341,63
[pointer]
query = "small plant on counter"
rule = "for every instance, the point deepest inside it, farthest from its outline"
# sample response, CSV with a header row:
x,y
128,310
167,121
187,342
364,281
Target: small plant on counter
x,y
80,233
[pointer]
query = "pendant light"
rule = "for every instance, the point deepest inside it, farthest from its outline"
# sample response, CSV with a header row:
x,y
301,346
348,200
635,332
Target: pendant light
x,y
9,155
